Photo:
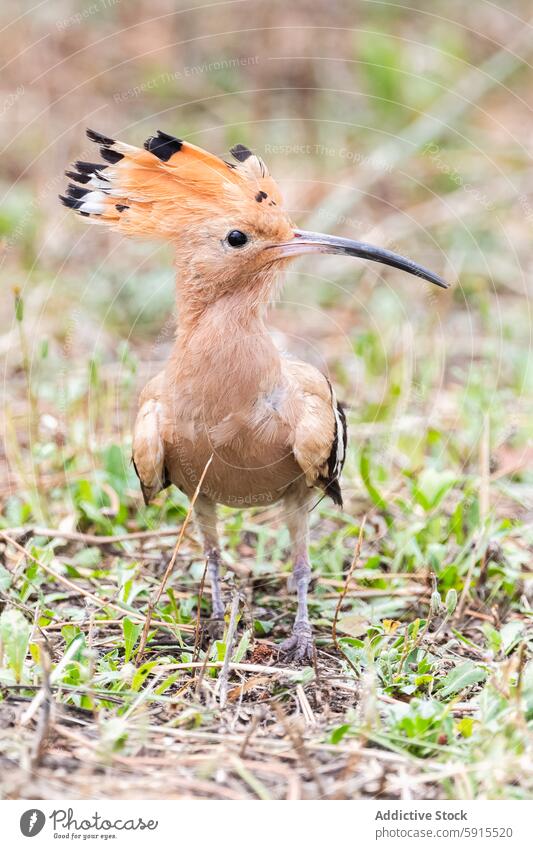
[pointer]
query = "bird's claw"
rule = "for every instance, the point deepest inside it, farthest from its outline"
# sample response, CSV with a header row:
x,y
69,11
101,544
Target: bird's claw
x,y
299,646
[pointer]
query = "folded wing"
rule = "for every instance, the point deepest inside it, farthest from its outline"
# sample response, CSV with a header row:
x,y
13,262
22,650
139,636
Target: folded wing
x,y
148,454
319,443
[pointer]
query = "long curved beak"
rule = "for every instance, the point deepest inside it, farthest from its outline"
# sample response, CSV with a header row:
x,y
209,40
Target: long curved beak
x,y
305,241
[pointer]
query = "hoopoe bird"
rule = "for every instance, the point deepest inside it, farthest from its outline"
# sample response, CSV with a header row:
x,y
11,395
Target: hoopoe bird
x,y
267,427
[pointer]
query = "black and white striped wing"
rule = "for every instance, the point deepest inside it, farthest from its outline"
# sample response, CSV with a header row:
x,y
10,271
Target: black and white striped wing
x,y
337,454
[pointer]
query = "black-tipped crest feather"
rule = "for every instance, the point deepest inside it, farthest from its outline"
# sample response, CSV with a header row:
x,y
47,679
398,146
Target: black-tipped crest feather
x,y
240,152
110,155
99,138
163,145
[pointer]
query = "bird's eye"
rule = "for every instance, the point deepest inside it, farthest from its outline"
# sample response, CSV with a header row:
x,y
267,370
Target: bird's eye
x,y
236,238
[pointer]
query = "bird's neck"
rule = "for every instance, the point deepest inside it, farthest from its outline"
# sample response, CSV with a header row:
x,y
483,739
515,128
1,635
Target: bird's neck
x,y
225,355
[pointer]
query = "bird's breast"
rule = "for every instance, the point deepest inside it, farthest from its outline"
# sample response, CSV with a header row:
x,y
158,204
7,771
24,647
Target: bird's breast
x,y
251,449
235,405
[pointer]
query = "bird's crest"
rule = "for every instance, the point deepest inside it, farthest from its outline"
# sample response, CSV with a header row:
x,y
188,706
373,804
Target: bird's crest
x,y
151,192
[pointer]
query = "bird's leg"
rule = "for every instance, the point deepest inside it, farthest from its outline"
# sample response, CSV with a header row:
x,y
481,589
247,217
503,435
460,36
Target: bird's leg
x,y
206,520
299,646
213,570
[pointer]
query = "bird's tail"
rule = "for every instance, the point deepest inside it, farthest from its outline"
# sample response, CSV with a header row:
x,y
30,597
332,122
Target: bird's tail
x,y
147,192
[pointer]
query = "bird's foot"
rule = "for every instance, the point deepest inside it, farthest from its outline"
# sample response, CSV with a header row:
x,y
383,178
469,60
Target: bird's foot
x,y
299,646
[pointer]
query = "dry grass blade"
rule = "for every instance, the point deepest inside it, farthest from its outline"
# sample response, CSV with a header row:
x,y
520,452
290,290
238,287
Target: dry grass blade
x,y
90,539
249,734
307,710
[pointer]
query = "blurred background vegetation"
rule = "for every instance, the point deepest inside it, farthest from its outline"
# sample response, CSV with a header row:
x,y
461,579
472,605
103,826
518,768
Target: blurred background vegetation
x,y
407,126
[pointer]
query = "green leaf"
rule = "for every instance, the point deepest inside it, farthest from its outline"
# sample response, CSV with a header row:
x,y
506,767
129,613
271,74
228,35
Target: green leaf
x,y
35,652
422,680
19,307
168,682
262,627
141,674
463,639
431,486
338,733
364,471
451,601
69,633
131,632
494,637
242,648
462,676
465,726
511,634
15,633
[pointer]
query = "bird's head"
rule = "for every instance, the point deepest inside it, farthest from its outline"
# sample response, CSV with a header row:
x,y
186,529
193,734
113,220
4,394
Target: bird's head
x,y
226,219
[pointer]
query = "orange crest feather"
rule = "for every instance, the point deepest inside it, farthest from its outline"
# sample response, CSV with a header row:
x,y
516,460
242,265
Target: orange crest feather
x,y
155,191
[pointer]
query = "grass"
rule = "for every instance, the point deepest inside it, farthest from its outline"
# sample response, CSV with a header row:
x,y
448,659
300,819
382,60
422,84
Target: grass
x,y
422,686
427,688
